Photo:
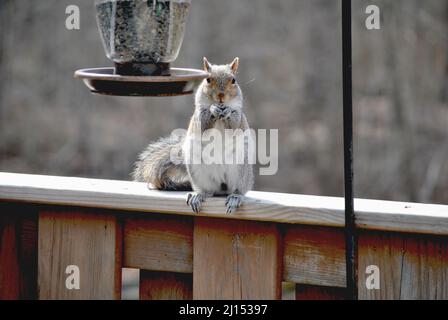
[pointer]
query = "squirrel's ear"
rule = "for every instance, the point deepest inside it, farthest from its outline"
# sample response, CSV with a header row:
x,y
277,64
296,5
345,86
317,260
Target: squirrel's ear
x,y
234,65
207,65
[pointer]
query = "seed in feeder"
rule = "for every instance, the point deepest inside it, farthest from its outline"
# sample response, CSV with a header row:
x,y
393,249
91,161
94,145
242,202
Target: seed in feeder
x,y
141,30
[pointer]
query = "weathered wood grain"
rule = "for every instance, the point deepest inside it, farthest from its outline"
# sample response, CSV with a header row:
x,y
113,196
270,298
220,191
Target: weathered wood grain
x,y
125,195
314,255
236,260
163,243
89,240
18,251
263,206
401,216
156,285
307,292
425,269
411,266
385,251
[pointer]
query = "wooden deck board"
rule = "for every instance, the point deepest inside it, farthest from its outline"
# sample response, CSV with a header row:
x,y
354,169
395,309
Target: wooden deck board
x,y
314,256
261,206
159,243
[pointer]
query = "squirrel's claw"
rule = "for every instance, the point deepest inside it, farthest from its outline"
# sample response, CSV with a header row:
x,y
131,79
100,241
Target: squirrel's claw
x,y
188,198
233,202
194,200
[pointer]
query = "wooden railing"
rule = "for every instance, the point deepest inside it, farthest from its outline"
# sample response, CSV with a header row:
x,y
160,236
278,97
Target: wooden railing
x,y
49,223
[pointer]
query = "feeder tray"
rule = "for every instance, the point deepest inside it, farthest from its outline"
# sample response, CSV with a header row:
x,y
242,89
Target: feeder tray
x,y
105,81
142,38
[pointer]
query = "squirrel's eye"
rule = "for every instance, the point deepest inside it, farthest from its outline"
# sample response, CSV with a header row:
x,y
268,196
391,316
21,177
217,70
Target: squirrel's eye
x,y
209,80
233,81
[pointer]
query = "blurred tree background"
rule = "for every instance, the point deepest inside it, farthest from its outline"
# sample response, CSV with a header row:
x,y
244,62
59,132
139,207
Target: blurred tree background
x,y
290,74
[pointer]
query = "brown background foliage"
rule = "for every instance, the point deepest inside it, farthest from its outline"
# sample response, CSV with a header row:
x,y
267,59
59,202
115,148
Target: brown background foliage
x,y
290,74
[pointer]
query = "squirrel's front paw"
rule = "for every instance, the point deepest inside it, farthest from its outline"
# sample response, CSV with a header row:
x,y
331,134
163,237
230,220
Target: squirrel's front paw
x,y
215,110
194,200
220,111
233,202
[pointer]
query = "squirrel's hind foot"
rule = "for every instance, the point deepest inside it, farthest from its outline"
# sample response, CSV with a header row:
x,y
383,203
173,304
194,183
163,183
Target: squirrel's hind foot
x,y
233,202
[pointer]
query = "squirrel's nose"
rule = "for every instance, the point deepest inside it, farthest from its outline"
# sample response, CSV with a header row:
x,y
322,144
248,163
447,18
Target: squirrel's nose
x,y
221,96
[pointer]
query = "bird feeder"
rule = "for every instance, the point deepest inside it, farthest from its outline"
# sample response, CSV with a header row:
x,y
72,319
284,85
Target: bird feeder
x,y
142,38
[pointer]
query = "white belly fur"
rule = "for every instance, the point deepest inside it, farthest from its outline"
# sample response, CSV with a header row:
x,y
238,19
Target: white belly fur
x,y
211,177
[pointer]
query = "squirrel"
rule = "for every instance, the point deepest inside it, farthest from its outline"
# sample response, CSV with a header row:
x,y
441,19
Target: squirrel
x,y
218,105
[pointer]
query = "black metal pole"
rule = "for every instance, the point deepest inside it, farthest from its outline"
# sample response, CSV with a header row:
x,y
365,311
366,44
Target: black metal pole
x,y
350,230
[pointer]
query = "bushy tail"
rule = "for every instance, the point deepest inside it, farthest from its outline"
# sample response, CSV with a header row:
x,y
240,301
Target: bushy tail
x,y
155,166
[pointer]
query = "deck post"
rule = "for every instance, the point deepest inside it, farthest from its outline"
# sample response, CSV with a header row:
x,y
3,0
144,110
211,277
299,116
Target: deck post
x,y
89,241
236,260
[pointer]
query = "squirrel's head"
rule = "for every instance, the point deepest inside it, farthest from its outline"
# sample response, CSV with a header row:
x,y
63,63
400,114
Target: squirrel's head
x,y
221,86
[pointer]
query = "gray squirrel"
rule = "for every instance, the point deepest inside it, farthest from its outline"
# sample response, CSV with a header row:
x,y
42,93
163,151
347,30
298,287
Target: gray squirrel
x,y
218,106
